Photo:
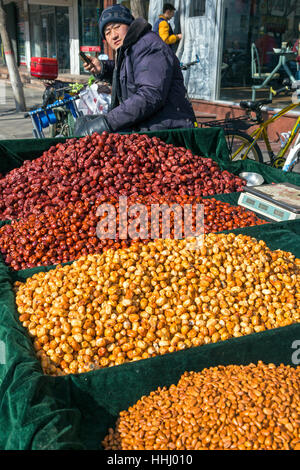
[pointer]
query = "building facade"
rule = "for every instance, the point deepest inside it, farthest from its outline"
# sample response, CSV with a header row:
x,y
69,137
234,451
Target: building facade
x,y
233,39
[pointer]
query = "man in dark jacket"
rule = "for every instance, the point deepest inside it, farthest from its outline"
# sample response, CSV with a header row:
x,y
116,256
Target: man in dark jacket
x,y
148,91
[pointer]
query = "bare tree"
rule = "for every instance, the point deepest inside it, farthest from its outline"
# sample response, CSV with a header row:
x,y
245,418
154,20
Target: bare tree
x,y
12,67
138,8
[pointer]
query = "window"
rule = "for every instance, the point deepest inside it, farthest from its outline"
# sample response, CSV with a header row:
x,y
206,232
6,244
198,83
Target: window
x,y
89,14
267,24
197,8
49,28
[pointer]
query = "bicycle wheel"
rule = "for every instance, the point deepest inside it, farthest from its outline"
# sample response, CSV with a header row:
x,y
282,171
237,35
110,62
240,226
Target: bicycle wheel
x,y
61,127
238,143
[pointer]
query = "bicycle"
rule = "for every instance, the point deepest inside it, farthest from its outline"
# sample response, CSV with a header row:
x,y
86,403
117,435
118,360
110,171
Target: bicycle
x,y
242,145
58,110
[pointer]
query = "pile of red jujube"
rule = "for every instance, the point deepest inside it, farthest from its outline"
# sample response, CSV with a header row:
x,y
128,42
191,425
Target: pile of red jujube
x,y
111,165
55,237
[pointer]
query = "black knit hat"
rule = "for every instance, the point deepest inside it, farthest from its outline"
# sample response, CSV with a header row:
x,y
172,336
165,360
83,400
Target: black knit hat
x,y
114,14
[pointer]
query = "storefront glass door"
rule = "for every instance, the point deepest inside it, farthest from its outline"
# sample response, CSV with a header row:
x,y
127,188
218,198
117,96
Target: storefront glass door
x,y
49,34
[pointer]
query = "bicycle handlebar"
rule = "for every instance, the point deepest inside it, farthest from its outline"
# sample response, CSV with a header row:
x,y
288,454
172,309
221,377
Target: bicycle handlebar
x,y
287,86
189,64
280,90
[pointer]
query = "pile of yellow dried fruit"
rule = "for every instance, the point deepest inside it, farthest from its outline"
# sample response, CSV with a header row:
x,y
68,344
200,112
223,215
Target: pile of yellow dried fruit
x,y
147,300
253,407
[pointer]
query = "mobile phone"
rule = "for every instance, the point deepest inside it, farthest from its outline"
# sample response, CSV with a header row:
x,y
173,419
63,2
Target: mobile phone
x,y
85,58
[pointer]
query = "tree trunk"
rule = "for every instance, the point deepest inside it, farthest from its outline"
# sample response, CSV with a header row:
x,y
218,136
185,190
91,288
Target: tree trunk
x,y
12,68
138,8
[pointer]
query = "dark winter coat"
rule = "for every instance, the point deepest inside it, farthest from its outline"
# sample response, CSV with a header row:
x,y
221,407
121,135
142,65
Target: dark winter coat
x,y
148,91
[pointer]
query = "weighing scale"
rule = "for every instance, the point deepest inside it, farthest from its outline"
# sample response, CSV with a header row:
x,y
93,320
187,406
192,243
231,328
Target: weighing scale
x,y
280,201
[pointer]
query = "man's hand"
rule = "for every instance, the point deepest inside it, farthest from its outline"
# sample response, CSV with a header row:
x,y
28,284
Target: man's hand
x,y
179,36
95,67
87,125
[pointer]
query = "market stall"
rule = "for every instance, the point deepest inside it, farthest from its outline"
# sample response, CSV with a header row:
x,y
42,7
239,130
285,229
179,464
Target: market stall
x,y
60,410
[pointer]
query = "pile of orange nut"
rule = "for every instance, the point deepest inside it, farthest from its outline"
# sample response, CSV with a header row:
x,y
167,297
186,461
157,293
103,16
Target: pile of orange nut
x,y
155,298
253,407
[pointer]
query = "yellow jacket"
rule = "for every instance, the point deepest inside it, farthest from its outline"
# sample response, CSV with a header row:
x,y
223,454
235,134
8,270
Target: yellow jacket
x,y
164,32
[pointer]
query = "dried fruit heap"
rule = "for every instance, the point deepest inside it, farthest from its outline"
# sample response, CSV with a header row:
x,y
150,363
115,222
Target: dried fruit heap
x,y
253,407
150,299
60,236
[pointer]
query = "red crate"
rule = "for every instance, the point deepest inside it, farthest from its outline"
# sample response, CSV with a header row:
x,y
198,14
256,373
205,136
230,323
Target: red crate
x,y
44,67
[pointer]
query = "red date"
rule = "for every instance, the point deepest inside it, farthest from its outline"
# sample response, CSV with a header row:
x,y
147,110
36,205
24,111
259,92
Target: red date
x,y
109,165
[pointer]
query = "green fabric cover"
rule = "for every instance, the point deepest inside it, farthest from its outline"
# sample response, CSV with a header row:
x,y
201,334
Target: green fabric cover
x,y
75,411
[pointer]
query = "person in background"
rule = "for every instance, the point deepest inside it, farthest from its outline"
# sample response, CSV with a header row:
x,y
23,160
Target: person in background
x,y
148,90
163,28
265,45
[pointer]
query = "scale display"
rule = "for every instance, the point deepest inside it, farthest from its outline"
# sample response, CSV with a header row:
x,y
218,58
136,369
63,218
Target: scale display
x,y
277,202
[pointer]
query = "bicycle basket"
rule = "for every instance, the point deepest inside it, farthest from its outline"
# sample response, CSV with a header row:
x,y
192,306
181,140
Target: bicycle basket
x,y
232,124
